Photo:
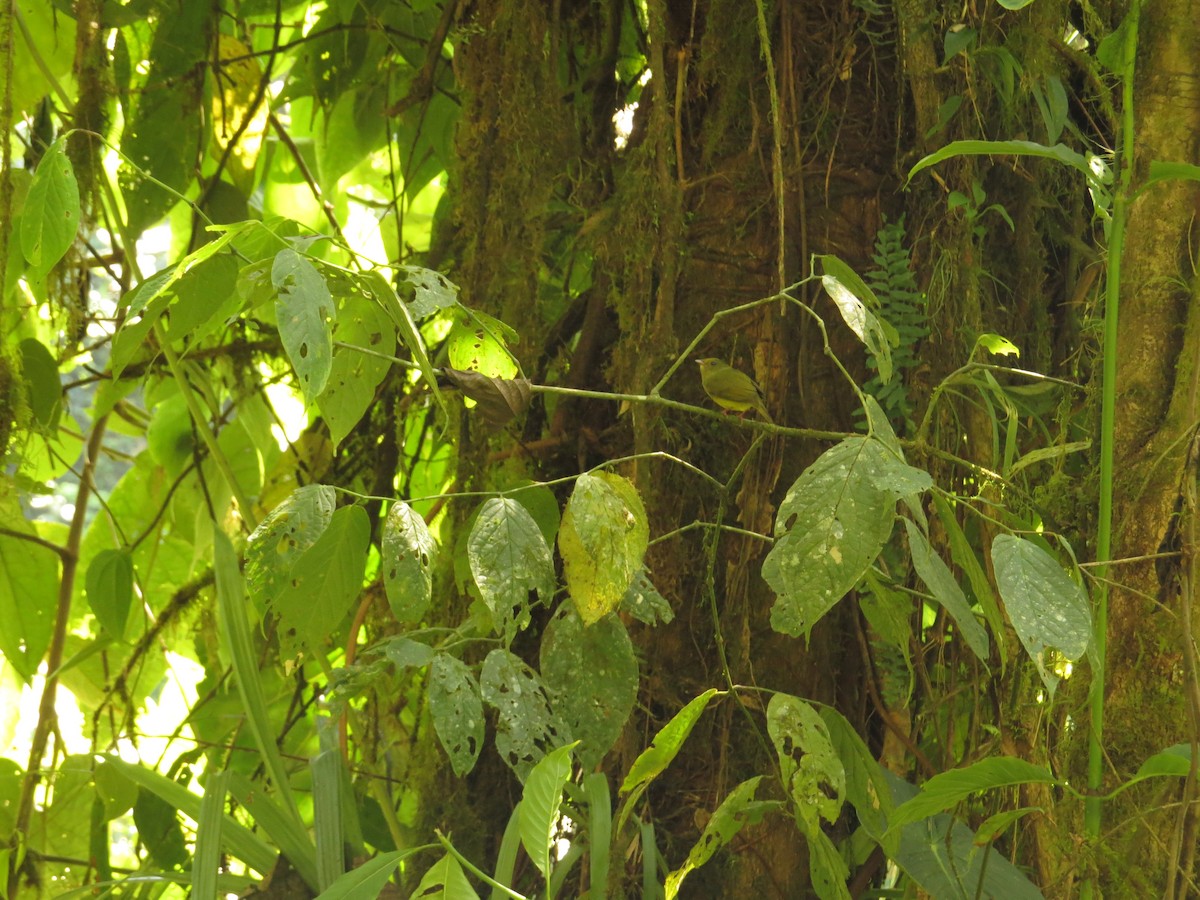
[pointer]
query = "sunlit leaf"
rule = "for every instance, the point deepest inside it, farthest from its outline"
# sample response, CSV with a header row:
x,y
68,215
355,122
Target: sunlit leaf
x,y
509,559
603,538
51,216
306,314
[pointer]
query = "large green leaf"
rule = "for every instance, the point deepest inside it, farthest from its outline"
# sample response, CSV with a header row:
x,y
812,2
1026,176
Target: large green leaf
x,y
283,536
1048,610
354,375
603,538
813,775
946,789
321,588
444,880
110,590
595,708
409,553
526,726
509,559
831,526
457,711
306,314
540,802
51,215
28,589
936,575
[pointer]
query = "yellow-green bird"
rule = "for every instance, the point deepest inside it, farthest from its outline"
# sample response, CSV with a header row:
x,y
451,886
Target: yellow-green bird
x,y
731,389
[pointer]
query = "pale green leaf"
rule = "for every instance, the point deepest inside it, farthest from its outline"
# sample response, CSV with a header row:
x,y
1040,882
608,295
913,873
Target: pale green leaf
x,y
306,313
539,805
409,553
831,526
937,577
602,540
813,776
283,536
457,711
50,219
323,583
509,559
1048,610
526,725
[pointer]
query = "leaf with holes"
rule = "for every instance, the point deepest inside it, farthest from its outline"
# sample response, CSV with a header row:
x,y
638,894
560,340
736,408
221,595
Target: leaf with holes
x,y
283,536
813,775
831,526
409,553
509,559
354,375
321,588
592,676
1048,610
457,711
431,291
526,726
602,540
305,311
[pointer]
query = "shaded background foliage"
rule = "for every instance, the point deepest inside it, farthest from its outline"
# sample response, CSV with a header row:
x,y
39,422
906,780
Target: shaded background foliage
x,y
482,140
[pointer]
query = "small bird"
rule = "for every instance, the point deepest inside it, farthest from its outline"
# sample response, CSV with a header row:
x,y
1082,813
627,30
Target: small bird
x,y
731,389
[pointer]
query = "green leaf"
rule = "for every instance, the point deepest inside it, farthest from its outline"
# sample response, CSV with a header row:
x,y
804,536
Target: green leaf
x,y
936,575
967,560
39,371
479,342
599,807
235,636
402,318
949,788
158,828
306,313
662,750
206,294
323,583
432,291
283,536
643,601
50,218
813,775
328,821
1059,152
602,540
207,861
595,706
526,726
367,880
447,875
539,805
354,375
857,304
866,783
1048,610
1174,761
831,526
457,711
736,811
409,554
997,345
509,559
828,869
110,590
28,589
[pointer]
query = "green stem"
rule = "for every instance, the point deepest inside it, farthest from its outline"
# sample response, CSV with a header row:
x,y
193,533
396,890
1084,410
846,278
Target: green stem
x,y
1092,814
